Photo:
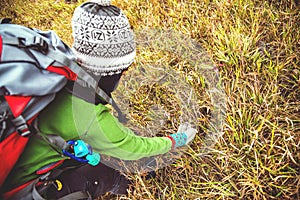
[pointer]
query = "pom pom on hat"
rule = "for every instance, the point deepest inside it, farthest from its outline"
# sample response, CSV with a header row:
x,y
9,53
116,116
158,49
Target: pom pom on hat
x,y
103,40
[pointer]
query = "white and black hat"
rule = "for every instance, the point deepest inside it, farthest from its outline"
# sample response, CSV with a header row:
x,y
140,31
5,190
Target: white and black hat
x,y
103,39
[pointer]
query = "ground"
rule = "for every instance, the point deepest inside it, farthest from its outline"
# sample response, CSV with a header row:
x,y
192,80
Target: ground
x,y
256,47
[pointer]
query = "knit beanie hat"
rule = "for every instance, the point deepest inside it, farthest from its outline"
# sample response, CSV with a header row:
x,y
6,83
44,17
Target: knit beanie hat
x,y
103,40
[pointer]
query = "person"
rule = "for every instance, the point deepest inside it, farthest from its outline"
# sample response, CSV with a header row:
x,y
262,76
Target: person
x,y
104,46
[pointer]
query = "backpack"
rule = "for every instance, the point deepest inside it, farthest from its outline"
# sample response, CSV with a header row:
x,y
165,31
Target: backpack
x,y
34,66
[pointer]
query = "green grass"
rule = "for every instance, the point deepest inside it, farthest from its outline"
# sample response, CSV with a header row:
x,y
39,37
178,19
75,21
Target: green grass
x,y
256,45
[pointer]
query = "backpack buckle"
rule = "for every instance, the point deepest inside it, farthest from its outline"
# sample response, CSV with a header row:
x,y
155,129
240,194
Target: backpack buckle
x,y
21,126
40,44
35,42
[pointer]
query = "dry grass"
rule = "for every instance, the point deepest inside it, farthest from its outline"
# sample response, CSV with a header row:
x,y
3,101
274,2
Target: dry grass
x,y
256,45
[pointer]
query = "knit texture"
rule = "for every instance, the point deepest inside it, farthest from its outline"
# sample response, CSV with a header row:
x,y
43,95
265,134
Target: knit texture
x,y
103,40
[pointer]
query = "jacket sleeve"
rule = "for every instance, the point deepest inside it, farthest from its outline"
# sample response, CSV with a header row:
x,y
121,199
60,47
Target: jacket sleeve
x,y
108,136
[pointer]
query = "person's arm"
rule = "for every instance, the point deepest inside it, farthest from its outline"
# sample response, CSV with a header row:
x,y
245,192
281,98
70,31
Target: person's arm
x,y
73,118
107,136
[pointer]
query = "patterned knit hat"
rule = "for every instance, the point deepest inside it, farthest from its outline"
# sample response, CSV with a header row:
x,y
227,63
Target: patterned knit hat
x,y
103,40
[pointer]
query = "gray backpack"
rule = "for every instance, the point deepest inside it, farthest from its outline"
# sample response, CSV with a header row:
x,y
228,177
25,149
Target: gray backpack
x,y
34,66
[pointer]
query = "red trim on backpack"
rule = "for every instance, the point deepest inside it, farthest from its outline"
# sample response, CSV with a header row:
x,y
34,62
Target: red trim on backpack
x,y
10,150
0,47
48,168
12,192
9,194
65,71
17,103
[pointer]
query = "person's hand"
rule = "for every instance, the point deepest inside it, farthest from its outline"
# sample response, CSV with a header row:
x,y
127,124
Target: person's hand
x,y
185,134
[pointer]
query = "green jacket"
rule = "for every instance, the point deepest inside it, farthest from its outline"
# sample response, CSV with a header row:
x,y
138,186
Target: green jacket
x,y
74,118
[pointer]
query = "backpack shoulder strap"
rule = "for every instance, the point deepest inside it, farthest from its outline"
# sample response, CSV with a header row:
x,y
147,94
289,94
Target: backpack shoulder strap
x,y
41,45
83,78
19,122
32,192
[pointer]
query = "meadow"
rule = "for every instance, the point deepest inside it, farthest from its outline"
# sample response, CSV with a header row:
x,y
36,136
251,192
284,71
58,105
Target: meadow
x,y
256,47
